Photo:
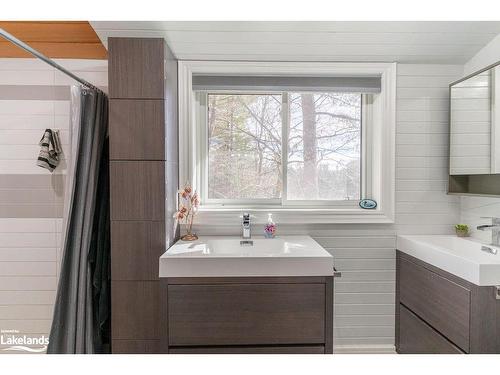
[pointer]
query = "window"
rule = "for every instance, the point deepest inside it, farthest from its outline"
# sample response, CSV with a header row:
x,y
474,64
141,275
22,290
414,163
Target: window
x,y
324,146
305,141
246,146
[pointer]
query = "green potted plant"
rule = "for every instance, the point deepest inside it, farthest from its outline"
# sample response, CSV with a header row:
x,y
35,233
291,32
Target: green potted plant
x,y
462,230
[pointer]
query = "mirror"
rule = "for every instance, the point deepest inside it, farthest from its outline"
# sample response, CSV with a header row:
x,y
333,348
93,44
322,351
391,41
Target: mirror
x,y
472,143
475,133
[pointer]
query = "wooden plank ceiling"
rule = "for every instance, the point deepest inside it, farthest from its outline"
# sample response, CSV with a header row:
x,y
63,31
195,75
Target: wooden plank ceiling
x,y
56,39
405,42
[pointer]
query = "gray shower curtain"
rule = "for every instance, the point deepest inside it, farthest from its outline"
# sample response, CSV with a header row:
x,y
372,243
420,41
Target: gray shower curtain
x,y
81,321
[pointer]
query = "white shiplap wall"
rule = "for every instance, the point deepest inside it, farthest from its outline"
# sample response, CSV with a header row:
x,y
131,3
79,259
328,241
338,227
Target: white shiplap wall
x,y
364,296
404,42
422,206
28,274
477,211
30,246
488,55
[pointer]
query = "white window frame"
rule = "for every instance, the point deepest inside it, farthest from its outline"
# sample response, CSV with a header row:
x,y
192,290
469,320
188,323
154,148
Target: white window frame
x,y
378,153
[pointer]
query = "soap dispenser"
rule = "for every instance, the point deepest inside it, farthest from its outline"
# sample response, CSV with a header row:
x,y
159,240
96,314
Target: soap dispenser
x,y
270,228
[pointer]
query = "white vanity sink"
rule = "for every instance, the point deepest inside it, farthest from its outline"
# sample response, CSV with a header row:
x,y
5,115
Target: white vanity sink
x,y
459,256
214,256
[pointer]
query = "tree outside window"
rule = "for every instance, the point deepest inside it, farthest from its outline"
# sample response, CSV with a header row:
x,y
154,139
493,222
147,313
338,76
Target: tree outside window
x,y
245,146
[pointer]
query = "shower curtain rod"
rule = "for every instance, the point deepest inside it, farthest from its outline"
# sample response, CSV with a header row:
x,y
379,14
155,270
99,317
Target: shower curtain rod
x,y
42,57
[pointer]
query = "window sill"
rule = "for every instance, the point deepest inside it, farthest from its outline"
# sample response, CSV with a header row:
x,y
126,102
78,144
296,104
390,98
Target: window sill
x,y
293,215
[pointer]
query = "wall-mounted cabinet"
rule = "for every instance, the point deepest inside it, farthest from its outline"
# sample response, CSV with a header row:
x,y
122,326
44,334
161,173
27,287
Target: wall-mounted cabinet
x,y
475,134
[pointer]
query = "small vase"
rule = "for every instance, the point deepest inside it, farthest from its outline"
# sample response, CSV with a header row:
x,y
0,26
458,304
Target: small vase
x,y
189,236
268,234
462,233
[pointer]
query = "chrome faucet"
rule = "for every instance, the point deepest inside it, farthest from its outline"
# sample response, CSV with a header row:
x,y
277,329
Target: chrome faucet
x,y
246,233
495,230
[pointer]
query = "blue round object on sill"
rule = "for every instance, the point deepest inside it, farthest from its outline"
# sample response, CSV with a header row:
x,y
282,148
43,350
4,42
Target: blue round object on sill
x,y
367,204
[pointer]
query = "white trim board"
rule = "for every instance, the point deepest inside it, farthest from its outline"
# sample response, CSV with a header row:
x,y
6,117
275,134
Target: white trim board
x,y
364,349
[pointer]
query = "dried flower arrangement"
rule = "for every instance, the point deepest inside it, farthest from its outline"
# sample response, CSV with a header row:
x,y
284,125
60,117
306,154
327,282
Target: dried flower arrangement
x,y
189,202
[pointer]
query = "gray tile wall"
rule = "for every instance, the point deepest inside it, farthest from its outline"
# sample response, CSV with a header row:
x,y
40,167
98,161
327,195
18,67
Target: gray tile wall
x,y
31,196
33,97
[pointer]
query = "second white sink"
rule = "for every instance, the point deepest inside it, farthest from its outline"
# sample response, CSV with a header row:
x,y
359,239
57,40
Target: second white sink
x,y
458,256
214,256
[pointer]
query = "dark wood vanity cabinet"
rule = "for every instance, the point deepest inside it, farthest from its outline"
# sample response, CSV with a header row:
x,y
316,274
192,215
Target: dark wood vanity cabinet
x,y
416,336
248,315
437,312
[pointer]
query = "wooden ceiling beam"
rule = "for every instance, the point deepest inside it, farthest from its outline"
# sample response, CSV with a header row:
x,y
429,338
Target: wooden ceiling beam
x,y
56,50
56,39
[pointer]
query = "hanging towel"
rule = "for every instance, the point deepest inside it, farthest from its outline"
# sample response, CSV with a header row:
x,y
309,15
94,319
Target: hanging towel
x,y
50,150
